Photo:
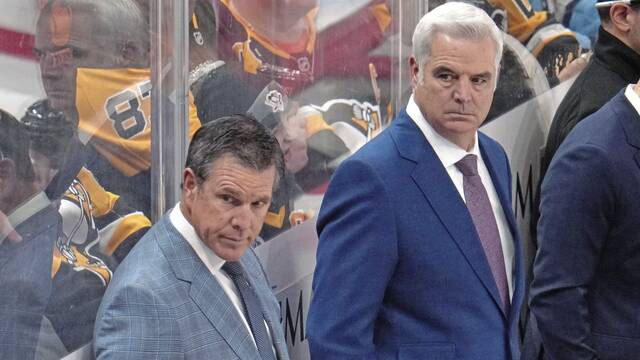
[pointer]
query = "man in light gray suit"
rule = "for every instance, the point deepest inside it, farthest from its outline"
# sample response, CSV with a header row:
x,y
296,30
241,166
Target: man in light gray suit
x,y
192,288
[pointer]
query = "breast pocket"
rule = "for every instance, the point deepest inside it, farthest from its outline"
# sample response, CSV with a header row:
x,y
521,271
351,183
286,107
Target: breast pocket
x,y
428,351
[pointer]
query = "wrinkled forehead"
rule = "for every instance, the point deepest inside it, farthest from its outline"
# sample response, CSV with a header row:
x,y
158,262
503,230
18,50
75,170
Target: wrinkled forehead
x,y
60,25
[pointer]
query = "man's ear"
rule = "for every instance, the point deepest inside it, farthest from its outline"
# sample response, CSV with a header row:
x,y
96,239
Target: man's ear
x,y
415,71
620,17
189,182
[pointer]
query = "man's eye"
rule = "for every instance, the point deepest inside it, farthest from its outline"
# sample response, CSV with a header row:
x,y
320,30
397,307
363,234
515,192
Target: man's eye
x,y
259,204
479,81
445,77
226,198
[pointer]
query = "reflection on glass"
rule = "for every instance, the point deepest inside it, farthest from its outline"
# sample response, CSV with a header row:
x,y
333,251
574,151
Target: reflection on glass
x,y
25,256
328,75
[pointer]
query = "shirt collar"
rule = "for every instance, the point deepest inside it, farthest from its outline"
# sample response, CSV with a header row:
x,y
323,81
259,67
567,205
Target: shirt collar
x,y
448,152
633,97
184,227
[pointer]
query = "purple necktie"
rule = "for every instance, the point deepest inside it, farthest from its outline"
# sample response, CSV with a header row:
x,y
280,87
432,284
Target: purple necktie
x,y
485,222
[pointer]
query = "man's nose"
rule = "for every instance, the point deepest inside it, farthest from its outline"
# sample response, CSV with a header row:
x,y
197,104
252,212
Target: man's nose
x,y
241,218
53,64
462,90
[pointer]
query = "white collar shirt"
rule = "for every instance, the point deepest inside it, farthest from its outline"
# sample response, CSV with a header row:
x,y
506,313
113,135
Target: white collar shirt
x,y
214,263
633,97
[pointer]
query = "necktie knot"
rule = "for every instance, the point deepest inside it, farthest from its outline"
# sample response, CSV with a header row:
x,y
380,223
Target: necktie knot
x,y
233,268
468,165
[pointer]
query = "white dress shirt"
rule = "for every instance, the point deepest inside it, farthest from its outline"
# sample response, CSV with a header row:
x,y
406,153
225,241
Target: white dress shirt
x,y
633,97
214,263
449,154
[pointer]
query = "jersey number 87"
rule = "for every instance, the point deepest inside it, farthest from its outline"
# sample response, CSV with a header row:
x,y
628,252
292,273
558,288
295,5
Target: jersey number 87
x,y
125,113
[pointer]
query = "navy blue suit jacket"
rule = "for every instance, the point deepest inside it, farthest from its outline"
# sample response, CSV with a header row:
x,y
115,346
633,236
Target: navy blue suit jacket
x,y
400,270
585,294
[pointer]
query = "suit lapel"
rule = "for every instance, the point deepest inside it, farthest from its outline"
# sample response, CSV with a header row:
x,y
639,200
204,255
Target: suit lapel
x,y
206,292
436,185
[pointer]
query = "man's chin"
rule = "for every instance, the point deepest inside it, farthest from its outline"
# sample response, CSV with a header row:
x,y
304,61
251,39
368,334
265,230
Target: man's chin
x,y
230,252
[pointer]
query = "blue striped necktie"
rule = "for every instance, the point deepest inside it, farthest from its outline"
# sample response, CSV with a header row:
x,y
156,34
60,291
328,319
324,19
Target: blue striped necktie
x,y
252,308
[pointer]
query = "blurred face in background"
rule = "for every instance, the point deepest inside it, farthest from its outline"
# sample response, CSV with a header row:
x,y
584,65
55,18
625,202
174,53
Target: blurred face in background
x,y
65,41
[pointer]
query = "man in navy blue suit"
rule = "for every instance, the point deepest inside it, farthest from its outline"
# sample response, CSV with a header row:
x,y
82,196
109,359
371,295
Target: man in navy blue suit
x,y
419,256
585,294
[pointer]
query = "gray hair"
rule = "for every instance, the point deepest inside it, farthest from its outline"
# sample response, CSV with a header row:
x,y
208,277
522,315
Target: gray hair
x,y
115,24
240,136
458,20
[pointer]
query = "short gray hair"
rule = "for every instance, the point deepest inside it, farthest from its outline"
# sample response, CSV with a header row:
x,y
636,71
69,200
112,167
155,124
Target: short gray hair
x,y
458,20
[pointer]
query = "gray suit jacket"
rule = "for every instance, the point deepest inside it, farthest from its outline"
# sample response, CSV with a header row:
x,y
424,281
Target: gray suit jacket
x,y
163,303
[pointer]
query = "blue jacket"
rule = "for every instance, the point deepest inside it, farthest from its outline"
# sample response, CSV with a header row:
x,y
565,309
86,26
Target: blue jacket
x,y
585,294
401,272
163,303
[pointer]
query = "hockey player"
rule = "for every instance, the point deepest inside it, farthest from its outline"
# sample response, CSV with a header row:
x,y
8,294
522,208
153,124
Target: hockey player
x,y
94,59
97,230
325,75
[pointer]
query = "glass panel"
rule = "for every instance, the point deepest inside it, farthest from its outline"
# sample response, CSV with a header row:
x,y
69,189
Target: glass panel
x,y
169,59
316,73
76,158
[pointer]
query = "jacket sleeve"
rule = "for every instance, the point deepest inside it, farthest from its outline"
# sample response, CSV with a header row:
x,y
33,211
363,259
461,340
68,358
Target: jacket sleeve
x,y
356,257
577,205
